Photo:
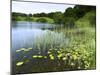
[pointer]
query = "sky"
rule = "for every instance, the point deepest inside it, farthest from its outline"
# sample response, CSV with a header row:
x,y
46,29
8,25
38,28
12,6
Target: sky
x,y
33,7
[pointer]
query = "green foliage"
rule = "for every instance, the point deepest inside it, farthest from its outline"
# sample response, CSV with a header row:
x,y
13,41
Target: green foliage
x,y
43,20
78,53
69,12
18,18
24,49
19,63
78,16
80,11
69,22
89,19
58,17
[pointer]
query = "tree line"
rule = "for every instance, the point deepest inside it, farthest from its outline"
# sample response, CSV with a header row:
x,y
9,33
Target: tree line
x,y
68,17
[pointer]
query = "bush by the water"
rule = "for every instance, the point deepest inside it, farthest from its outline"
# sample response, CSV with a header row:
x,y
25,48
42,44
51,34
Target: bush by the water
x,y
88,20
43,20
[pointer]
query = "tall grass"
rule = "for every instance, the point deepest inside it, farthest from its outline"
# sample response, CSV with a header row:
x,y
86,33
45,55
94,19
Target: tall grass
x,y
51,40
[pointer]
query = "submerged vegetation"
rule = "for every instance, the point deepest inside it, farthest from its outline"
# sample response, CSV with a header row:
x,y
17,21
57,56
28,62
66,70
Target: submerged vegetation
x,y
70,47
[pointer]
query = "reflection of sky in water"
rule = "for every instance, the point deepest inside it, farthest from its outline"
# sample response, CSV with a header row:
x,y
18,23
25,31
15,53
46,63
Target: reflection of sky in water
x,y
24,34
23,37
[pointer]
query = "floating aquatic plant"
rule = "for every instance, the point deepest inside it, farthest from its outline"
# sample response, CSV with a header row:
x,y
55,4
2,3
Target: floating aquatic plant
x,y
18,50
35,56
59,55
19,63
51,57
45,56
26,50
22,49
59,52
64,58
29,48
27,60
74,57
49,52
40,56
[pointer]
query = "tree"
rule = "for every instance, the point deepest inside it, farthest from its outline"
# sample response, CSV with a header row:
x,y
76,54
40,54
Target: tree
x,y
69,12
43,20
50,15
58,17
30,15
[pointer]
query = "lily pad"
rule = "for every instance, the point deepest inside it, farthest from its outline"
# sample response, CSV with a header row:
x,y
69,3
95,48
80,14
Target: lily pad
x,y
59,52
26,50
22,49
26,61
51,57
49,52
64,58
40,56
18,50
59,56
74,57
35,56
19,63
45,56
30,48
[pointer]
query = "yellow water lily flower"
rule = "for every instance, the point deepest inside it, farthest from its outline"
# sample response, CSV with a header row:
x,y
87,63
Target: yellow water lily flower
x,y
19,63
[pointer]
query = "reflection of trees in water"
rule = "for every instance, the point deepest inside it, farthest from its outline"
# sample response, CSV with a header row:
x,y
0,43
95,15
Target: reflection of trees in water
x,y
14,24
30,24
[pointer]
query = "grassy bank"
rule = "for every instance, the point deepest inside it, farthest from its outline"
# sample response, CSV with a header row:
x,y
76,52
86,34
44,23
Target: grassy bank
x,y
34,19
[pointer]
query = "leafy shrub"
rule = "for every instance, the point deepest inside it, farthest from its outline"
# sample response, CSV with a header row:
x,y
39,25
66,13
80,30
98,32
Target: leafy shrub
x,y
88,20
43,20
